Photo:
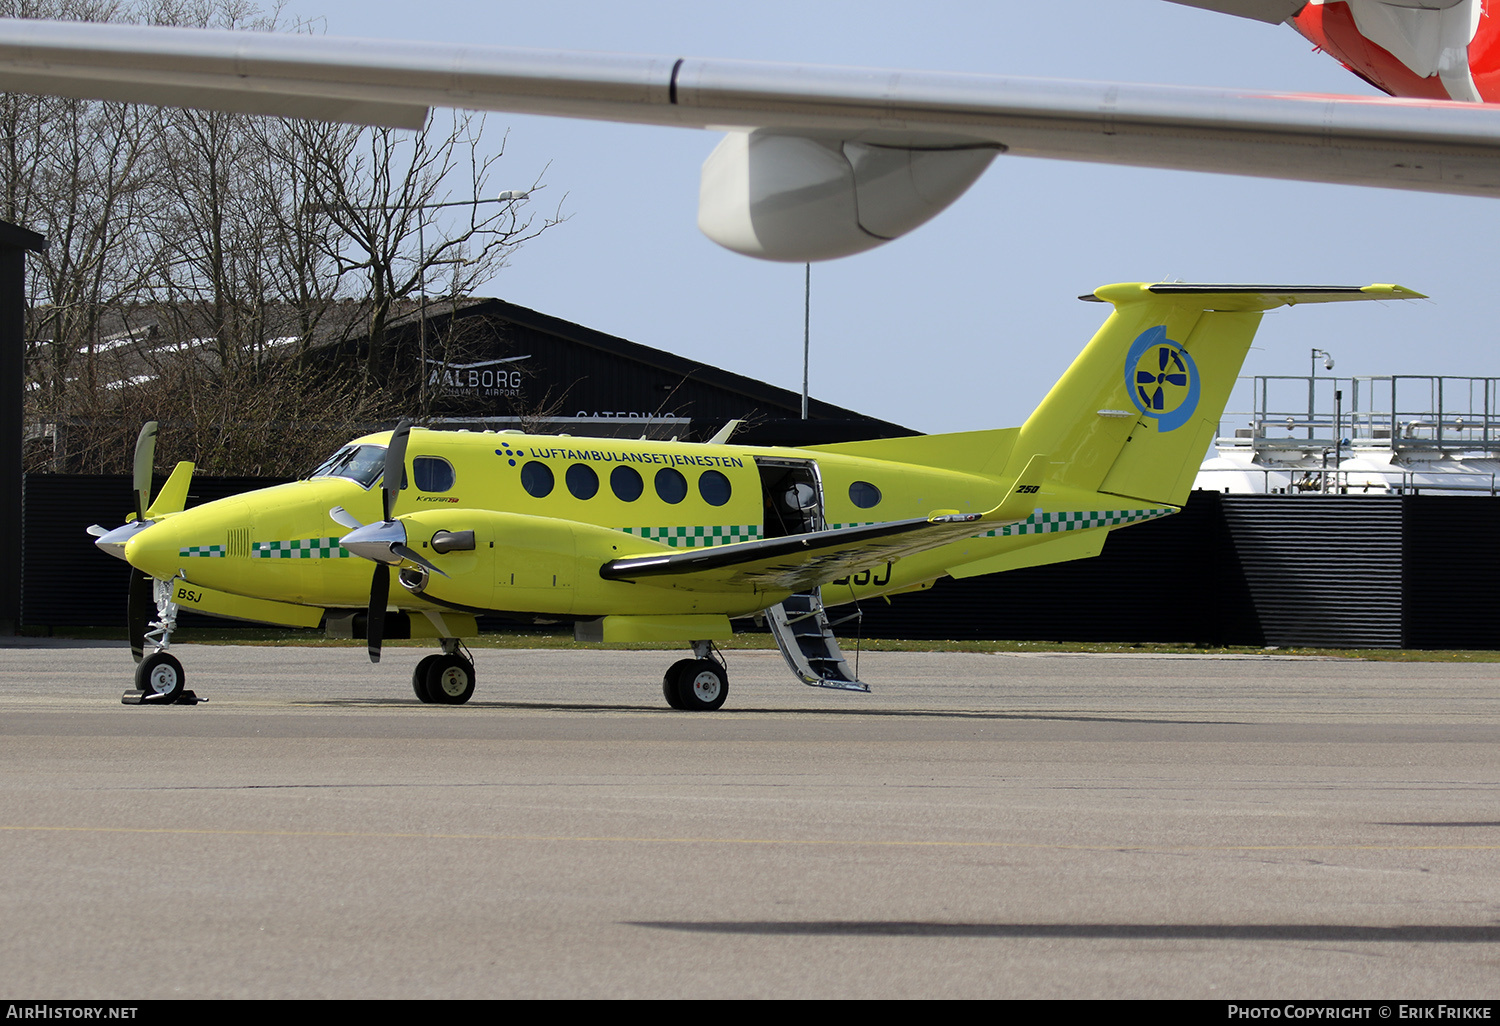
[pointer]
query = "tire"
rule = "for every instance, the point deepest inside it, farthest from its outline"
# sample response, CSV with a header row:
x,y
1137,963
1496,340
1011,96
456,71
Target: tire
x,y
450,680
703,686
669,681
160,677
419,677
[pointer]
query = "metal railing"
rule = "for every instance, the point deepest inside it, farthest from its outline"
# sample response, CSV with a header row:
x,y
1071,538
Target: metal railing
x,y
1330,481
1398,412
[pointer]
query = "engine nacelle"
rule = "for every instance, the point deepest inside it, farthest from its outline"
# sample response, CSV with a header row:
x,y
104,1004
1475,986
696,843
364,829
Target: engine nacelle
x,y
799,198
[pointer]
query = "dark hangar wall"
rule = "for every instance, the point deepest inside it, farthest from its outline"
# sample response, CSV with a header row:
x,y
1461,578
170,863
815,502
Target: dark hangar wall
x,y
493,359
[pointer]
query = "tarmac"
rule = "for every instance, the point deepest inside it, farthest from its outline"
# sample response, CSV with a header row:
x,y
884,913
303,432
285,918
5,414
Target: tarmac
x,y
981,826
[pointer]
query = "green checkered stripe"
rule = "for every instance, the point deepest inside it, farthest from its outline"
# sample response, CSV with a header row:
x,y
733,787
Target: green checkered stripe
x,y
1075,520
700,537
209,551
300,548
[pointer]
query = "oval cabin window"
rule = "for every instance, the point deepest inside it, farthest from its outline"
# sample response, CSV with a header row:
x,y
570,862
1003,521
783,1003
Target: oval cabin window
x,y
714,487
626,484
582,481
537,479
864,495
671,485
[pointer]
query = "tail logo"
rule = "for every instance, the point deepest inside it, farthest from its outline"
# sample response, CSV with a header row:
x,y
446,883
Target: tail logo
x,y
1162,379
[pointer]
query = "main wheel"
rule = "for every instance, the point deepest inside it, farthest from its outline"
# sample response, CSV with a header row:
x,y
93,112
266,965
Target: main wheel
x,y
450,680
669,681
703,686
160,674
419,676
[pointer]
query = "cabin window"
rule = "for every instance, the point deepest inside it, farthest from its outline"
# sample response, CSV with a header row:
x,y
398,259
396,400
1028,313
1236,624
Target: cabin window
x,y
582,481
432,473
671,485
864,495
536,478
714,487
627,484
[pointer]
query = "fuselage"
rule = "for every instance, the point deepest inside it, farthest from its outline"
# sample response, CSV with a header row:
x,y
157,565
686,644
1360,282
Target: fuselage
x,y
546,512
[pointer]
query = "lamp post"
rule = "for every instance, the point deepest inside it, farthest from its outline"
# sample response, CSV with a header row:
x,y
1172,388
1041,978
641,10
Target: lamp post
x,y
1312,384
806,323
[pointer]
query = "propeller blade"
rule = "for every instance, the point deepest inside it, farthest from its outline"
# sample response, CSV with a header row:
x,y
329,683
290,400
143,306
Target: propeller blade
x,y
145,458
395,465
341,516
139,607
380,590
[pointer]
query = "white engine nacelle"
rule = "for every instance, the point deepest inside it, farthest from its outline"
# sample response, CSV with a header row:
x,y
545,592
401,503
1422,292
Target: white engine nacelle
x,y
797,198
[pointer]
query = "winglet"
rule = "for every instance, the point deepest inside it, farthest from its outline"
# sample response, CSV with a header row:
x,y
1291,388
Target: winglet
x,y
173,495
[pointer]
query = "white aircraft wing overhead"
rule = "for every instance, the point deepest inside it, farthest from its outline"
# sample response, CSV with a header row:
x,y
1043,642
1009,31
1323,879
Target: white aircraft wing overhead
x,y
1273,12
1276,11
818,161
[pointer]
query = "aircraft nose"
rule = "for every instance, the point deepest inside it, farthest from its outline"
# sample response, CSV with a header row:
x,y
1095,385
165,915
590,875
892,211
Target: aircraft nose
x,y
162,550
152,551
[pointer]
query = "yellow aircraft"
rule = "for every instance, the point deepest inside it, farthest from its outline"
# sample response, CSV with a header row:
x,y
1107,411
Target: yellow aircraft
x,y
672,541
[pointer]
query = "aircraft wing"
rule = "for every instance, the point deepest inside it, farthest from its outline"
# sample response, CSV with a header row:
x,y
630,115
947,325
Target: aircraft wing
x,y
1271,11
798,562
819,161
1276,11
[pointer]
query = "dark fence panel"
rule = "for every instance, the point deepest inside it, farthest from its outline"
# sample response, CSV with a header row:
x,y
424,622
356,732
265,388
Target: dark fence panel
x,y
1452,580
65,580
1323,570
1174,579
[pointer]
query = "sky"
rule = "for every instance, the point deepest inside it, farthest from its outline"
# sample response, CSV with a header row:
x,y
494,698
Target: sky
x,y
966,322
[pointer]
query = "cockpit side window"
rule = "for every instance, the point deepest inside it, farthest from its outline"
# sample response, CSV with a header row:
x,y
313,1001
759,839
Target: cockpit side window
x,y
432,473
359,463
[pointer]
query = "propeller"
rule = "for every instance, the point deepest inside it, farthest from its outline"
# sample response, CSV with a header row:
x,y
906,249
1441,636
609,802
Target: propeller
x,y
383,543
139,606
145,461
171,499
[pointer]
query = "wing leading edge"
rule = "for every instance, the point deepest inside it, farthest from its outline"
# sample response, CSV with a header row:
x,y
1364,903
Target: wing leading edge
x,y
798,562
818,162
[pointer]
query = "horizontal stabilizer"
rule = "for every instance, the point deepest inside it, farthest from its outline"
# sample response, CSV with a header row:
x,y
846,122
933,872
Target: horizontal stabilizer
x,y
1254,297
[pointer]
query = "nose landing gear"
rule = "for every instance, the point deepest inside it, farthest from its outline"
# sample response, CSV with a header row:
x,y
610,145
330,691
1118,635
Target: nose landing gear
x,y
159,677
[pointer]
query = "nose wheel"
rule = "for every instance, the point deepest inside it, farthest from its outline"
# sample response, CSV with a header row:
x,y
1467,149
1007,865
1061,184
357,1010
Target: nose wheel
x,y
159,678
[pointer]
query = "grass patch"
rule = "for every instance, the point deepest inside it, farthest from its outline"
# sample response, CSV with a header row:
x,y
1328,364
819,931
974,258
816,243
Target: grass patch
x,y
563,639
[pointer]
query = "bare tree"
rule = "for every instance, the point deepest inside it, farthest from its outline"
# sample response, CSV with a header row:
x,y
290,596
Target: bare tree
x,y
385,196
198,260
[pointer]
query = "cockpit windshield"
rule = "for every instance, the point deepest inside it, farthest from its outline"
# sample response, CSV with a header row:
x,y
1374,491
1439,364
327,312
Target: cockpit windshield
x,y
361,463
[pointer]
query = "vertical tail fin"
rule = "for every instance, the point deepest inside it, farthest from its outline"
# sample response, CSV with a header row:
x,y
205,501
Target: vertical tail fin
x,y
1137,410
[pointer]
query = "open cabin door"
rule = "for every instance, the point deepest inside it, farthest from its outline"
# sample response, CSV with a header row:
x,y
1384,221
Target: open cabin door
x,y
792,503
791,497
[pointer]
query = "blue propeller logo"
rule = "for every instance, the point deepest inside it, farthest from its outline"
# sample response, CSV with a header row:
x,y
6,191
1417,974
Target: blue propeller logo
x,y
1162,379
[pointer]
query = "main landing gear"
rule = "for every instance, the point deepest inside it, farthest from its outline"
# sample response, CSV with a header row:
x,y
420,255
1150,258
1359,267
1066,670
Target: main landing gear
x,y
159,677
444,678
697,685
